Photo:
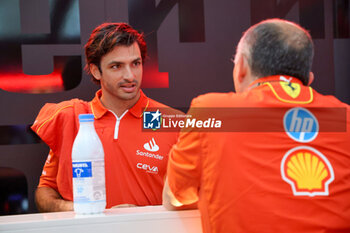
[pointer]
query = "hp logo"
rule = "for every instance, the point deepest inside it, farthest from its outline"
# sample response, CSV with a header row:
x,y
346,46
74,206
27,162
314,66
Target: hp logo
x,y
300,124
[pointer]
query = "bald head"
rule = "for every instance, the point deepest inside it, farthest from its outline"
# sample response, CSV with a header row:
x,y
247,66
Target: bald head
x,y
277,47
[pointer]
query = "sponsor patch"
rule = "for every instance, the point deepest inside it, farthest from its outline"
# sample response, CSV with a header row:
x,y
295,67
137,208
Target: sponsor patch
x,y
149,155
300,124
151,146
307,171
148,168
292,89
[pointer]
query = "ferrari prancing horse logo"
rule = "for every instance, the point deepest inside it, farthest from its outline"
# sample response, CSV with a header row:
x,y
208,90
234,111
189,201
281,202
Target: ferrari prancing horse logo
x,y
292,89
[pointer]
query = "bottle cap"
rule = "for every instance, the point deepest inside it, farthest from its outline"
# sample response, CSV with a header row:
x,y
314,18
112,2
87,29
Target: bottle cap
x,y
86,117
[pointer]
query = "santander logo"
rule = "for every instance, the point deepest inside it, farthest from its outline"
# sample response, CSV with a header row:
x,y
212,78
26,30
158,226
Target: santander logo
x,y
151,146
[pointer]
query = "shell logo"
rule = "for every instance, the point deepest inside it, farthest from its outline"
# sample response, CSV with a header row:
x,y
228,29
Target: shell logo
x,y
308,172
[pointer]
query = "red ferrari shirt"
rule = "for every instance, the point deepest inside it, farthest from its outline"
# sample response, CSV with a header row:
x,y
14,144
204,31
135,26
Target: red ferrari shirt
x,y
135,160
291,174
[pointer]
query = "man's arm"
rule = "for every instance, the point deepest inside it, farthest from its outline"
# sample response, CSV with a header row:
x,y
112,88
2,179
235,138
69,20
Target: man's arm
x,y
182,185
171,203
49,200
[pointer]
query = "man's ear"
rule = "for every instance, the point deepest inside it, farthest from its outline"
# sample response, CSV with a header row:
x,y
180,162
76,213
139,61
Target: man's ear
x,y
311,78
241,73
95,71
240,70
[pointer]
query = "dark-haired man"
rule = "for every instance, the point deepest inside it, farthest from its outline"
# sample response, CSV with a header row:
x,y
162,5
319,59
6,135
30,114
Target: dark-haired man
x,y
115,54
290,175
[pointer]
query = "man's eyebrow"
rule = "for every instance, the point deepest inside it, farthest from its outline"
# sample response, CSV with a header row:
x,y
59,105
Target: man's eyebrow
x,y
115,63
121,63
137,59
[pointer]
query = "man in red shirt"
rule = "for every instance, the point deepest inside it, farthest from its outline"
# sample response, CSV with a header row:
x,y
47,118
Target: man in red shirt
x,y
135,161
287,167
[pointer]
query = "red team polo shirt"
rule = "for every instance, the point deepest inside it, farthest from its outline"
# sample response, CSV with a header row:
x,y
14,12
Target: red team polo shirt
x,y
291,174
135,161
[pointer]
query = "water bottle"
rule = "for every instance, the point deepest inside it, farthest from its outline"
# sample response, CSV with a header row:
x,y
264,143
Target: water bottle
x,y
89,191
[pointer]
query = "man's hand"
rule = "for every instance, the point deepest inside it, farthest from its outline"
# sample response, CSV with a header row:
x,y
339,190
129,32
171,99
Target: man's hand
x,y
49,200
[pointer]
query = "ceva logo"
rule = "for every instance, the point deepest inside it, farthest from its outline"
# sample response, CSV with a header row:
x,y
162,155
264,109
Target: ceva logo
x,y
300,124
147,168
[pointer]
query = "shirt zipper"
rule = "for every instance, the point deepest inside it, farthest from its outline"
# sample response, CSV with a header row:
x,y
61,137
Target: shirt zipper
x,y
116,128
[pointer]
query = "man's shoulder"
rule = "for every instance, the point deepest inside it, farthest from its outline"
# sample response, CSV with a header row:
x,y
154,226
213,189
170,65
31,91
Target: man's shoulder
x,y
57,119
329,101
52,113
64,107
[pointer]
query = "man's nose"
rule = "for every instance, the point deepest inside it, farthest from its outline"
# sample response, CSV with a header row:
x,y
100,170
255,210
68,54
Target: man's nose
x,y
129,74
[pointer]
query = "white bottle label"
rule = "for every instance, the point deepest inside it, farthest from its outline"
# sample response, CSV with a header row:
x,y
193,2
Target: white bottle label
x,y
88,181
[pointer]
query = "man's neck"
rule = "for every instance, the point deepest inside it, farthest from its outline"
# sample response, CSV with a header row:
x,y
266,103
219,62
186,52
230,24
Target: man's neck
x,y
117,105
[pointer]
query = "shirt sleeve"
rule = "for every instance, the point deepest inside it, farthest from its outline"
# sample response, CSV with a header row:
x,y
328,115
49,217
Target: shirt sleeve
x,y
51,122
49,173
184,167
49,126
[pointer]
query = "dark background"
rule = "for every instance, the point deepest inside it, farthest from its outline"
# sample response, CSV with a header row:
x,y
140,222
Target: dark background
x,y
190,46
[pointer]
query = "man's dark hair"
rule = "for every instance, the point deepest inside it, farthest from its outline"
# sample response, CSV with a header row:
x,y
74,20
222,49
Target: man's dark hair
x,y
105,37
278,47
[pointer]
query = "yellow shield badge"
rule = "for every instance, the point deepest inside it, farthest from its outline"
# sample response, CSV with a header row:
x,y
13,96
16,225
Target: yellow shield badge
x,y
292,89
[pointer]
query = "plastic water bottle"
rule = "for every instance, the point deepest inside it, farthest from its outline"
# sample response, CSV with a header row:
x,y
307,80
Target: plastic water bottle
x,y
89,191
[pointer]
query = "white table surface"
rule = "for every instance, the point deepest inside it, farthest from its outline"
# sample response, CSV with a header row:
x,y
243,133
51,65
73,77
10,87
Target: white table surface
x,y
154,219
